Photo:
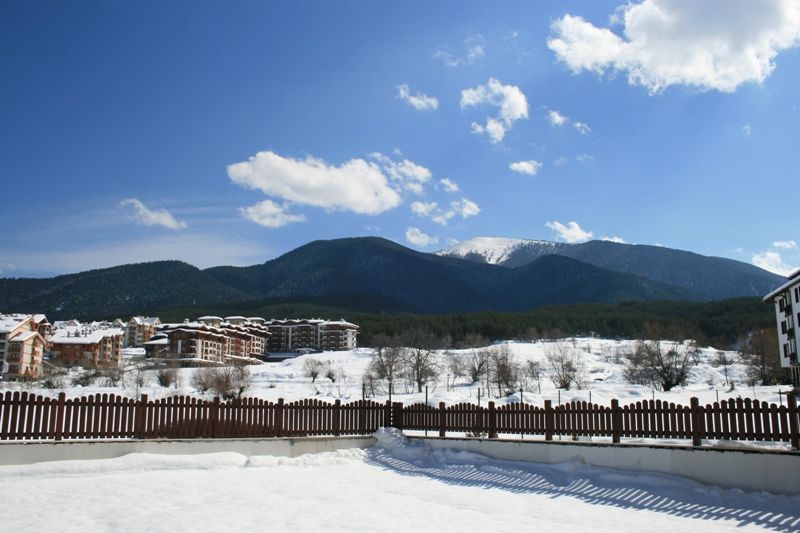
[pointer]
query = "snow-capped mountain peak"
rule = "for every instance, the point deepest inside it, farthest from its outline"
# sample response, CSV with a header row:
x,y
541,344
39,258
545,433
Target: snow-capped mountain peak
x,y
497,250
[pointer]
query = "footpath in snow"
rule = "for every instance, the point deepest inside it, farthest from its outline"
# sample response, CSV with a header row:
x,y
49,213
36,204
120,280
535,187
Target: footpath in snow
x,y
398,485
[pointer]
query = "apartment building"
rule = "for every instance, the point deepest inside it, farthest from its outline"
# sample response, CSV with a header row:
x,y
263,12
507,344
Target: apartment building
x,y
210,340
786,300
91,345
22,346
139,330
314,334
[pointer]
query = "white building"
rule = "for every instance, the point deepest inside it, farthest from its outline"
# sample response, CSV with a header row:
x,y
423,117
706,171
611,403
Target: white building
x,y
22,345
786,299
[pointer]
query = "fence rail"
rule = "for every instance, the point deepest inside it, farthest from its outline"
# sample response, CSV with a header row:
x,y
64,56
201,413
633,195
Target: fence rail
x,y
25,416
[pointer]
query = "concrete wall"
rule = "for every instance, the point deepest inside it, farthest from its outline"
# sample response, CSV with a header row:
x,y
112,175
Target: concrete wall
x,y
777,472
20,453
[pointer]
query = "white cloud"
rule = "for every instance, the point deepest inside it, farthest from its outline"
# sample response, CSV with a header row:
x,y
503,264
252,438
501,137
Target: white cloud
x,y
711,45
153,217
270,215
449,185
475,49
357,185
584,158
785,245
772,261
555,118
465,208
747,129
618,240
424,209
509,99
582,127
419,101
571,233
407,174
560,161
526,167
418,238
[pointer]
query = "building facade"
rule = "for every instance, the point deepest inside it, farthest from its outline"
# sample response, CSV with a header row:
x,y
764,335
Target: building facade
x,y
139,330
22,347
89,345
786,300
210,340
311,334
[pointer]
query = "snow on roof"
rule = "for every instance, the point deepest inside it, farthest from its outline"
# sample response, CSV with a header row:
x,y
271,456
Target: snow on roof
x,y
22,337
83,334
235,317
9,323
792,280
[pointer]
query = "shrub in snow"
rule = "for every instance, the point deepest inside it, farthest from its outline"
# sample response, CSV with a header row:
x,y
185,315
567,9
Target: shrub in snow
x,y
566,365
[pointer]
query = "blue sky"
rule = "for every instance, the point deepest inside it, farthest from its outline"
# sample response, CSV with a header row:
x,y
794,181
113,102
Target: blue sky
x,y
231,133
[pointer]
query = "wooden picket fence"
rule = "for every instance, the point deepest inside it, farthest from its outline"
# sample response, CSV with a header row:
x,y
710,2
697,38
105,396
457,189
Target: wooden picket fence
x,y
734,419
25,416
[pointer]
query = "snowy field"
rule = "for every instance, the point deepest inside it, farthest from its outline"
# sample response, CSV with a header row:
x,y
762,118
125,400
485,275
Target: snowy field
x,y
395,486
603,379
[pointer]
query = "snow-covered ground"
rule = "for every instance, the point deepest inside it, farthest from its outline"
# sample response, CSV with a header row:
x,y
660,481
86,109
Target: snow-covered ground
x,y
604,380
396,486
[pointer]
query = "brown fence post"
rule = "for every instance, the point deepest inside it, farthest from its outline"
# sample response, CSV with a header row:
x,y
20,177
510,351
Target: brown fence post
x,y
362,417
62,399
696,418
549,421
387,414
214,416
397,415
492,421
279,418
442,419
337,414
794,438
139,429
616,421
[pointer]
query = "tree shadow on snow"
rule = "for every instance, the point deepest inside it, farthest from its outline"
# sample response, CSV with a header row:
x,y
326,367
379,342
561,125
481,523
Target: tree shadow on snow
x,y
599,486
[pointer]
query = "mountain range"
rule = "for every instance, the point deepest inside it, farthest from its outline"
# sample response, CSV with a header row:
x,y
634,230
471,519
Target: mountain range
x,y
375,274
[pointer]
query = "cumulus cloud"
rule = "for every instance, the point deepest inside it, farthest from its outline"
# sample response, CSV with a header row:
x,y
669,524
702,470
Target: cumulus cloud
x,y
710,45
416,237
510,101
560,161
475,49
772,261
526,167
270,215
555,118
785,245
407,174
359,186
571,232
424,209
419,101
747,129
153,217
582,127
618,240
584,158
464,208
449,185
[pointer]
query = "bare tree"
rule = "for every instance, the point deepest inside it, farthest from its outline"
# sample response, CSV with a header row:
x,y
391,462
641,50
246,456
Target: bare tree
x,y
420,362
566,365
532,371
478,364
669,365
454,368
387,362
760,357
724,360
504,370
312,368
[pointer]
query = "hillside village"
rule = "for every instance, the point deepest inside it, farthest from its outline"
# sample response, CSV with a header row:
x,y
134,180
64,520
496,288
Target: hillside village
x,y
31,347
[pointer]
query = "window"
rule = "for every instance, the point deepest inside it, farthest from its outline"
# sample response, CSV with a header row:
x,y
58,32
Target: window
x,y
781,304
783,327
797,294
